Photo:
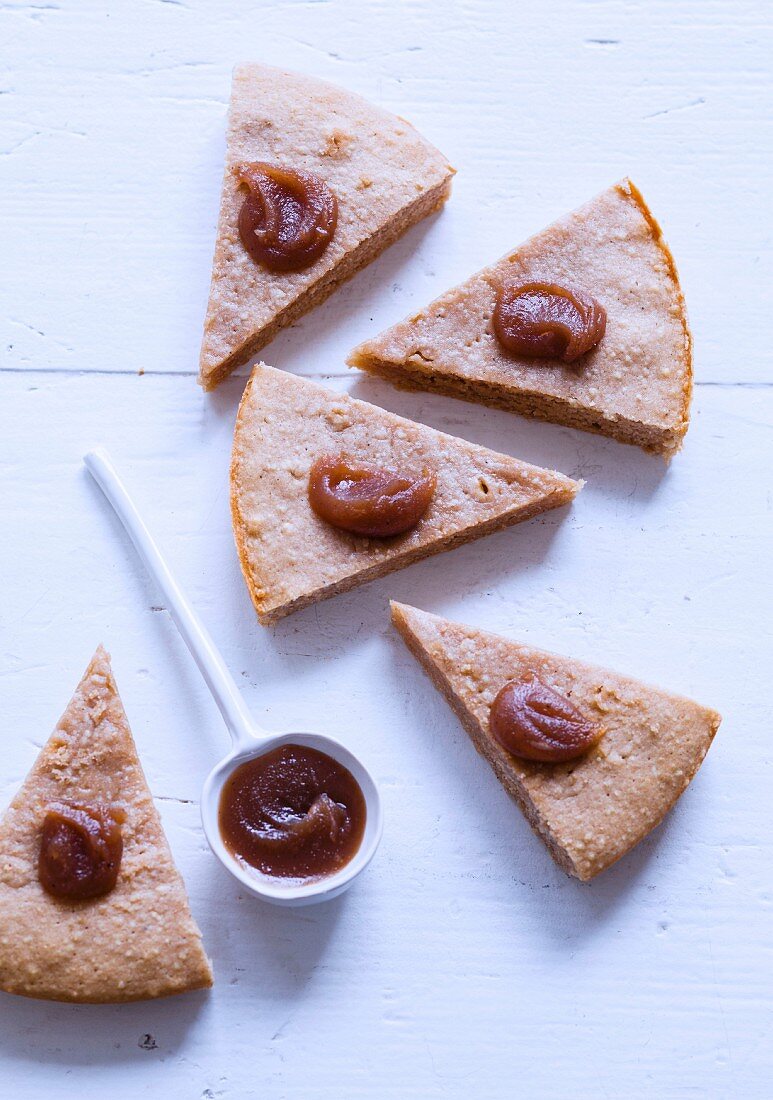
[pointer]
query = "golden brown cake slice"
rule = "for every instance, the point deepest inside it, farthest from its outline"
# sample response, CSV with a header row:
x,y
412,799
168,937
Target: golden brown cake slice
x,y
635,385
290,556
137,941
383,174
592,810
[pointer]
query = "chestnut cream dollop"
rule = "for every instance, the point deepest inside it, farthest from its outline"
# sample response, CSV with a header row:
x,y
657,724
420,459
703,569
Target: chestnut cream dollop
x,y
372,501
533,722
80,850
293,812
288,217
547,321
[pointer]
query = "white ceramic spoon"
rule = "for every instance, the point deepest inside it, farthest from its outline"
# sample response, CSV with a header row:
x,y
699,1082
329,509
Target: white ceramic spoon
x,y
248,740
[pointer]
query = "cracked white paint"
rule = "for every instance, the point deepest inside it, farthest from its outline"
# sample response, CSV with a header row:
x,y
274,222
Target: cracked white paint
x,y
463,965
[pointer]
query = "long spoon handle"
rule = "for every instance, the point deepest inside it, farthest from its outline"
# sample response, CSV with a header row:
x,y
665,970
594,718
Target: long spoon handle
x,y
196,637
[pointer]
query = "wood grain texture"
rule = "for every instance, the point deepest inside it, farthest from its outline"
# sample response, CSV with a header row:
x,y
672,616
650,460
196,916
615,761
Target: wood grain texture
x,y
463,964
113,130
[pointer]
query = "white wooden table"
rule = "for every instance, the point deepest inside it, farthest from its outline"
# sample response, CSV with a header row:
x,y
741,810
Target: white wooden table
x,y
464,964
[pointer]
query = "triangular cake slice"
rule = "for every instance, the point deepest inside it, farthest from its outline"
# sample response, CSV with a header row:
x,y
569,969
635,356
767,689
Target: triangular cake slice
x,y
635,385
592,810
384,175
137,941
290,556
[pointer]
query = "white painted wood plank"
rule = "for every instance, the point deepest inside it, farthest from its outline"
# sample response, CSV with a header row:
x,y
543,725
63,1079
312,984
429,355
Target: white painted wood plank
x,y
112,135
464,963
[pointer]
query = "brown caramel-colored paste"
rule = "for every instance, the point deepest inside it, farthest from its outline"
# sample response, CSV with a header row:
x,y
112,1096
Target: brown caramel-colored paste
x,y
80,850
288,218
547,321
372,501
534,722
293,812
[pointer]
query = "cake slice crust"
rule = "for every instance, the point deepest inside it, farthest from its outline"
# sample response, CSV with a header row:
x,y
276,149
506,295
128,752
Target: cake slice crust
x,y
290,557
385,177
136,942
635,386
592,810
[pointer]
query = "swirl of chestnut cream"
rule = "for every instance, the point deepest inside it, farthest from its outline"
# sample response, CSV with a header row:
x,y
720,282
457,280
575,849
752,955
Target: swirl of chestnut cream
x,y
288,218
80,850
534,722
547,321
372,501
293,812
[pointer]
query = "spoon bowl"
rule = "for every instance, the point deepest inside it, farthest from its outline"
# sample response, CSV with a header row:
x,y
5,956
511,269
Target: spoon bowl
x,y
248,741
291,891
